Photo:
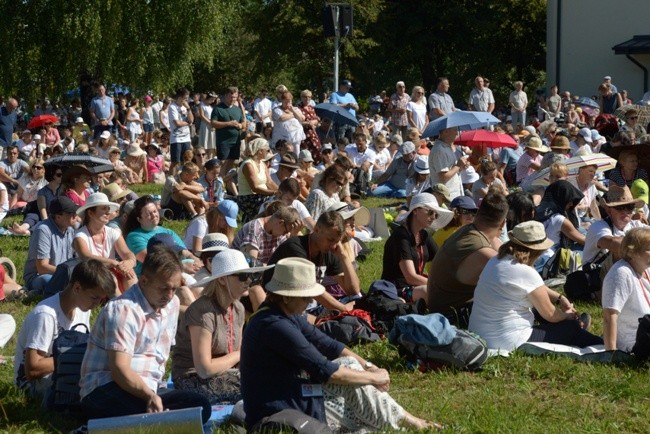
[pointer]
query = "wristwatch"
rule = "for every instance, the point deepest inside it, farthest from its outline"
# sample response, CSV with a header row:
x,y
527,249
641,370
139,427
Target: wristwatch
x,y
368,365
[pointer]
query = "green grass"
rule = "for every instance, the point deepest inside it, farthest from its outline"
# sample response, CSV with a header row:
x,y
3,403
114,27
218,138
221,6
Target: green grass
x,y
519,394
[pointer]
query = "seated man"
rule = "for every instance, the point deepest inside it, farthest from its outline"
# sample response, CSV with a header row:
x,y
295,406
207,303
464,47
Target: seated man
x,y
11,169
363,159
457,265
50,243
183,194
260,237
124,366
323,247
90,283
392,183
607,234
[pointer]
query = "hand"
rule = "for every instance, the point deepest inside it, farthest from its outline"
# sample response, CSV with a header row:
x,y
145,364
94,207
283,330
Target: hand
x,y
381,379
338,250
154,404
349,306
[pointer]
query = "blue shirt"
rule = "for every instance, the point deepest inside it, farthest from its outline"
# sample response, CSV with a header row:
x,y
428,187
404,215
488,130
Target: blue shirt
x,y
279,355
213,190
102,107
344,98
509,157
7,122
48,242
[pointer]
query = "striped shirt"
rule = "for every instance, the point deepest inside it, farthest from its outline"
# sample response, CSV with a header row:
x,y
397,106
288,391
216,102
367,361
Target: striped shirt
x,y
129,324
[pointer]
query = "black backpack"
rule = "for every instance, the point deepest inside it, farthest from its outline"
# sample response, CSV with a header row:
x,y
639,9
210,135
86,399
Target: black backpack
x,y
384,310
61,277
291,421
641,347
349,330
68,351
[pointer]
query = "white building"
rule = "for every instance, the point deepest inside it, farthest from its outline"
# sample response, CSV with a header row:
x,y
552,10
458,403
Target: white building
x,y
580,39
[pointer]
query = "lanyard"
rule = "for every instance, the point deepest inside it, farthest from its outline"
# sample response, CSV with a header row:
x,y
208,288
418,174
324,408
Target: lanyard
x,y
644,291
420,253
231,332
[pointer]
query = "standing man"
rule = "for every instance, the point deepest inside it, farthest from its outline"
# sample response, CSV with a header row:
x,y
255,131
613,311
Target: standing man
x,y
262,111
343,98
124,365
228,121
50,243
398,101
180,119
481,98
518,102
440,102
156,107
444,164
102,112
8,117
554,103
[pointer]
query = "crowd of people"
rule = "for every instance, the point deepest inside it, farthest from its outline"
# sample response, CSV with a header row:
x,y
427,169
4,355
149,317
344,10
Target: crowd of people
x,y
474,230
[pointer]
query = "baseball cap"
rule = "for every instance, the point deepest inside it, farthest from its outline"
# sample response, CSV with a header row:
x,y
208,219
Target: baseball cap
x,y
347,83
407,148
443,190
305,155
639,190
167,240
463,202
63,204
229,209
79,120
586,134
396,138
105,135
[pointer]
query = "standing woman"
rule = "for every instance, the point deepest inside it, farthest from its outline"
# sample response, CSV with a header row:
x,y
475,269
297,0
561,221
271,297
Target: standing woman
x,y
416,110
518,102
133,120
287,122
255,183
75,184
626,291
282,355
312,142
95,240
209,337
146,113
207,135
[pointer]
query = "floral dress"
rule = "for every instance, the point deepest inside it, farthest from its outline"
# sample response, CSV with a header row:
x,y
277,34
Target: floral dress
x,y
311,142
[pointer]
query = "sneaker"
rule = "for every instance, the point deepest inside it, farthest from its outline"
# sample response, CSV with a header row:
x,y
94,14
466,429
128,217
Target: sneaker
x,y
585,321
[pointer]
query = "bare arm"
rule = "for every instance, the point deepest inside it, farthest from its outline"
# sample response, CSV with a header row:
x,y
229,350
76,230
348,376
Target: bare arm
x,y
43,266
251,178
540,298
611,243
610,328
570,231
206,366
349,280
37,364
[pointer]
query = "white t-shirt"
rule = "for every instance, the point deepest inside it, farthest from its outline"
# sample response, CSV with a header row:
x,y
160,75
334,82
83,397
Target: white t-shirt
x,y
42,325
382,158
197,227
600,229
418,112
553,228
622,291
178,134
589,195
501,313
296,204
106,249
358,158
263,107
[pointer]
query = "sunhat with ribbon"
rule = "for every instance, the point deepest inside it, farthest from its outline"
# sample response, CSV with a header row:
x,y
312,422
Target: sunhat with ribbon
x,y
214,242
115,192
294,277
530,234
421,165
228,262
535,143
427,200
97,199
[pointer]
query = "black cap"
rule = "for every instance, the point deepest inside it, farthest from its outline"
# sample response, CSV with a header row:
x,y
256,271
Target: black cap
x,y
62,204
347,83
165,239
211,163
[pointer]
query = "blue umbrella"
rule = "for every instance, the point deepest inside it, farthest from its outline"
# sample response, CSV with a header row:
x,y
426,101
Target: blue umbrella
x,y
337,114
583,100
461,120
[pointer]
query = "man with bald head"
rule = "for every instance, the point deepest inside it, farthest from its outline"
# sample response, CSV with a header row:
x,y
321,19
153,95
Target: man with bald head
x,y
8,117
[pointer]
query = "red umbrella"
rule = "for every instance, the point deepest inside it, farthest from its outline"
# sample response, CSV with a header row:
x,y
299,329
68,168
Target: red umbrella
x,y
39,121
490,139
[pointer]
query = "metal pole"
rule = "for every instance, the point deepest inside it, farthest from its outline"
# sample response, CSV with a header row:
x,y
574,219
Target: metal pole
x,y
337,43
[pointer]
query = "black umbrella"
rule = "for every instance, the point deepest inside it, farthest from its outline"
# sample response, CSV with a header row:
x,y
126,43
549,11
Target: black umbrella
x,y
94,164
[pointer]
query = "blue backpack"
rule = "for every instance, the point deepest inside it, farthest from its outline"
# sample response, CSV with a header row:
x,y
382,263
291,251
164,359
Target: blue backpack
x,y
68,351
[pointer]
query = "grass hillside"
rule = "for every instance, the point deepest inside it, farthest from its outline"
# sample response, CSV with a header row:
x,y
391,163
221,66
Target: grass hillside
x,y
519,394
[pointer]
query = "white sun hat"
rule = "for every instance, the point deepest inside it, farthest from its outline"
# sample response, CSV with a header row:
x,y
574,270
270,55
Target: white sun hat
x,y
214,242
421,165
295,277
97,199
361,215
227,262
427,200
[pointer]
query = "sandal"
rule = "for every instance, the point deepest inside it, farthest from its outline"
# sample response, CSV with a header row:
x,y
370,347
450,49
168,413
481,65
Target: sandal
x,y
585,321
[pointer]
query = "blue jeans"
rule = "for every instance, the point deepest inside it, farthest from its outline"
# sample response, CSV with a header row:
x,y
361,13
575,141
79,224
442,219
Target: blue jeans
x,y
386,189
38,283
177,150
110,400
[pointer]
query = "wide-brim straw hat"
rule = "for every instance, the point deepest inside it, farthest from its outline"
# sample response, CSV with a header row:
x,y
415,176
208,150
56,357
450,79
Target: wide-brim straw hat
x,y
535,143
294,277
134,150
115,192
617,196
361,215
530,234
97,199
227,262
427,200
561,143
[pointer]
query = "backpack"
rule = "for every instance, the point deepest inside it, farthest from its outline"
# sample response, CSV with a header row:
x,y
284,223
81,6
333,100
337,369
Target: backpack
x,y
291,421
585,282
384,310
68,351
641,347
349,328
432,343
61,277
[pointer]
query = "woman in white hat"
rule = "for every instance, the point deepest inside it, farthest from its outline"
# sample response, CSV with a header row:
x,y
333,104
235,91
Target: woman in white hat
x,y
508,290
287,363
410,247
136,160
587,209
95,240
420,181
211,245
209,337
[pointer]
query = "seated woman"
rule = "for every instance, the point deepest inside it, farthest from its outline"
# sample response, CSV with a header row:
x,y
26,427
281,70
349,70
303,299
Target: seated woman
x,y
283,357
556,212
29,184
626,291
587,210
464,210
75,184
96,240
420,181
136,161
208,339
213,243
44,196
489,176
509,288
410,247
327,192
222,219
255,183
628,169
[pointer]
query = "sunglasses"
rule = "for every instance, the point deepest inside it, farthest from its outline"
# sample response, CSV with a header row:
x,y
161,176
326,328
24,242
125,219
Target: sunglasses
x,y
627,208
633,117
201,155
431,213
467,211
252,277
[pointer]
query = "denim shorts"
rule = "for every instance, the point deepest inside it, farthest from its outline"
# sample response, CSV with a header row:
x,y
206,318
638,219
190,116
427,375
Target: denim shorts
x,y
177,149
147,128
